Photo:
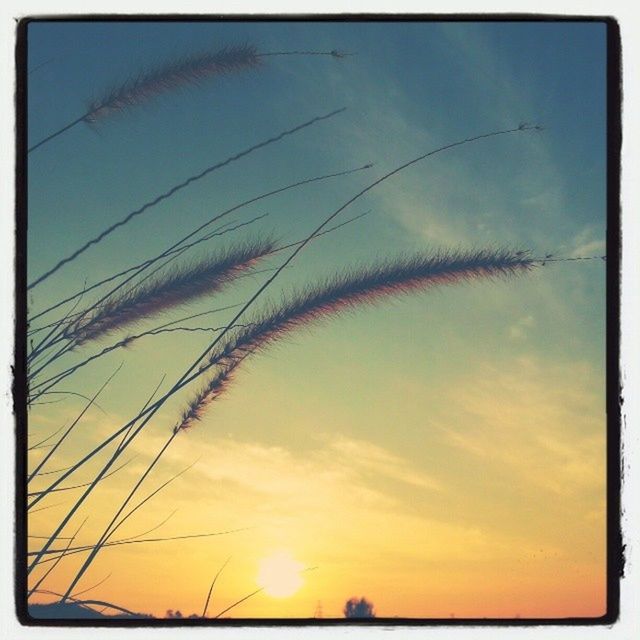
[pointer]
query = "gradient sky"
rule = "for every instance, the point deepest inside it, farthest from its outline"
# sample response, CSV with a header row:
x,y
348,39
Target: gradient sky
x,y
440,454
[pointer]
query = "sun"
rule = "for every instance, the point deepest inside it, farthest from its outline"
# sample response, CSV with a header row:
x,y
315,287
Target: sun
x,y
280,575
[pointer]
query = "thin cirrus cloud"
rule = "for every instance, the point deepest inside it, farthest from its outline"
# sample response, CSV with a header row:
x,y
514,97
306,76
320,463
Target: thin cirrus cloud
x,y
273,488
588,242
448,200
337,465
549,435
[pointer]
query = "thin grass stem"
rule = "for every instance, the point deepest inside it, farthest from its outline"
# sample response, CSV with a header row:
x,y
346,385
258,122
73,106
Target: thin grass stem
x,y
148,205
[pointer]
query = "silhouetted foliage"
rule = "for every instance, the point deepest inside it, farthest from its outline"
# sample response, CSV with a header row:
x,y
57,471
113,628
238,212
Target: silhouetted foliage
x,y
359,608
177,614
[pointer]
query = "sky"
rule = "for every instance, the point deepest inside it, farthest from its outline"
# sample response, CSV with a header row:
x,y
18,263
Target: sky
x,y
440,454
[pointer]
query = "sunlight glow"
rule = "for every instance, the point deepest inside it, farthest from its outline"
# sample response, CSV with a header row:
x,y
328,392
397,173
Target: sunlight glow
x,y
279,575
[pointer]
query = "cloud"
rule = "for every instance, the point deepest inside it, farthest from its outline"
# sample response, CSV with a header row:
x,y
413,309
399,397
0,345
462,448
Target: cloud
x,y
589,241
366,456
519,330
545,423
336,492
340,469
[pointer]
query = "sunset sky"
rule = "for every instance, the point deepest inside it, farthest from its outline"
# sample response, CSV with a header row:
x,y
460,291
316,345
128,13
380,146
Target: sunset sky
x,y
440,454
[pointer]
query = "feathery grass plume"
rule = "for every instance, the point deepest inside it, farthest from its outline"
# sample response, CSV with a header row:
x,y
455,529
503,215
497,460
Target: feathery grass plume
x,y
188,71
201,401
191,70
367,286
179,286
267,194
178,187
342,293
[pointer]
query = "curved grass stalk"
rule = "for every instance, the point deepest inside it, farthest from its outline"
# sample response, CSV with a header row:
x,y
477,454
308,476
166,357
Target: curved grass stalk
x,y
194,370
85,603
84,484
188,71
237,602
51,435
171,290
91,588
213,582
66,392
200,228
70,429
148,205
119,543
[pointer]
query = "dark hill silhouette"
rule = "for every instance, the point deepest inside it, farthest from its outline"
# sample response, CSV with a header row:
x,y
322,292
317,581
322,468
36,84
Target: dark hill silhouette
x,y
78,610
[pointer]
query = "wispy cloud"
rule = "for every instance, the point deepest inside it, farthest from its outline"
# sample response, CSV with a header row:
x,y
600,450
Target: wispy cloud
x,y
588,242
340,468
297,497
544,423
519,330
366,456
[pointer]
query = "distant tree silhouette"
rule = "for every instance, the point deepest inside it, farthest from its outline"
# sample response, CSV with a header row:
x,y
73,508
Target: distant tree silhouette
x,y
359,608
178,614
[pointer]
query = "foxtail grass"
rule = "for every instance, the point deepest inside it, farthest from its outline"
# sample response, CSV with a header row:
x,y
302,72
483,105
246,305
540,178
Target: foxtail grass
x,y
173,247
195,370
44,386
168,194
173,289
369,285
189,71
346,292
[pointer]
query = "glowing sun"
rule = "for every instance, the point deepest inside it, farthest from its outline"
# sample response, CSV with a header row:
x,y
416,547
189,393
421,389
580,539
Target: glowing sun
x,y
279,575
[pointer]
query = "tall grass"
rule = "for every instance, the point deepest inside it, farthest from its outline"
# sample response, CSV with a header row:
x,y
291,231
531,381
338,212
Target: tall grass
x,y
196,369
175,189
177,287
342,293
153,287
191,70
